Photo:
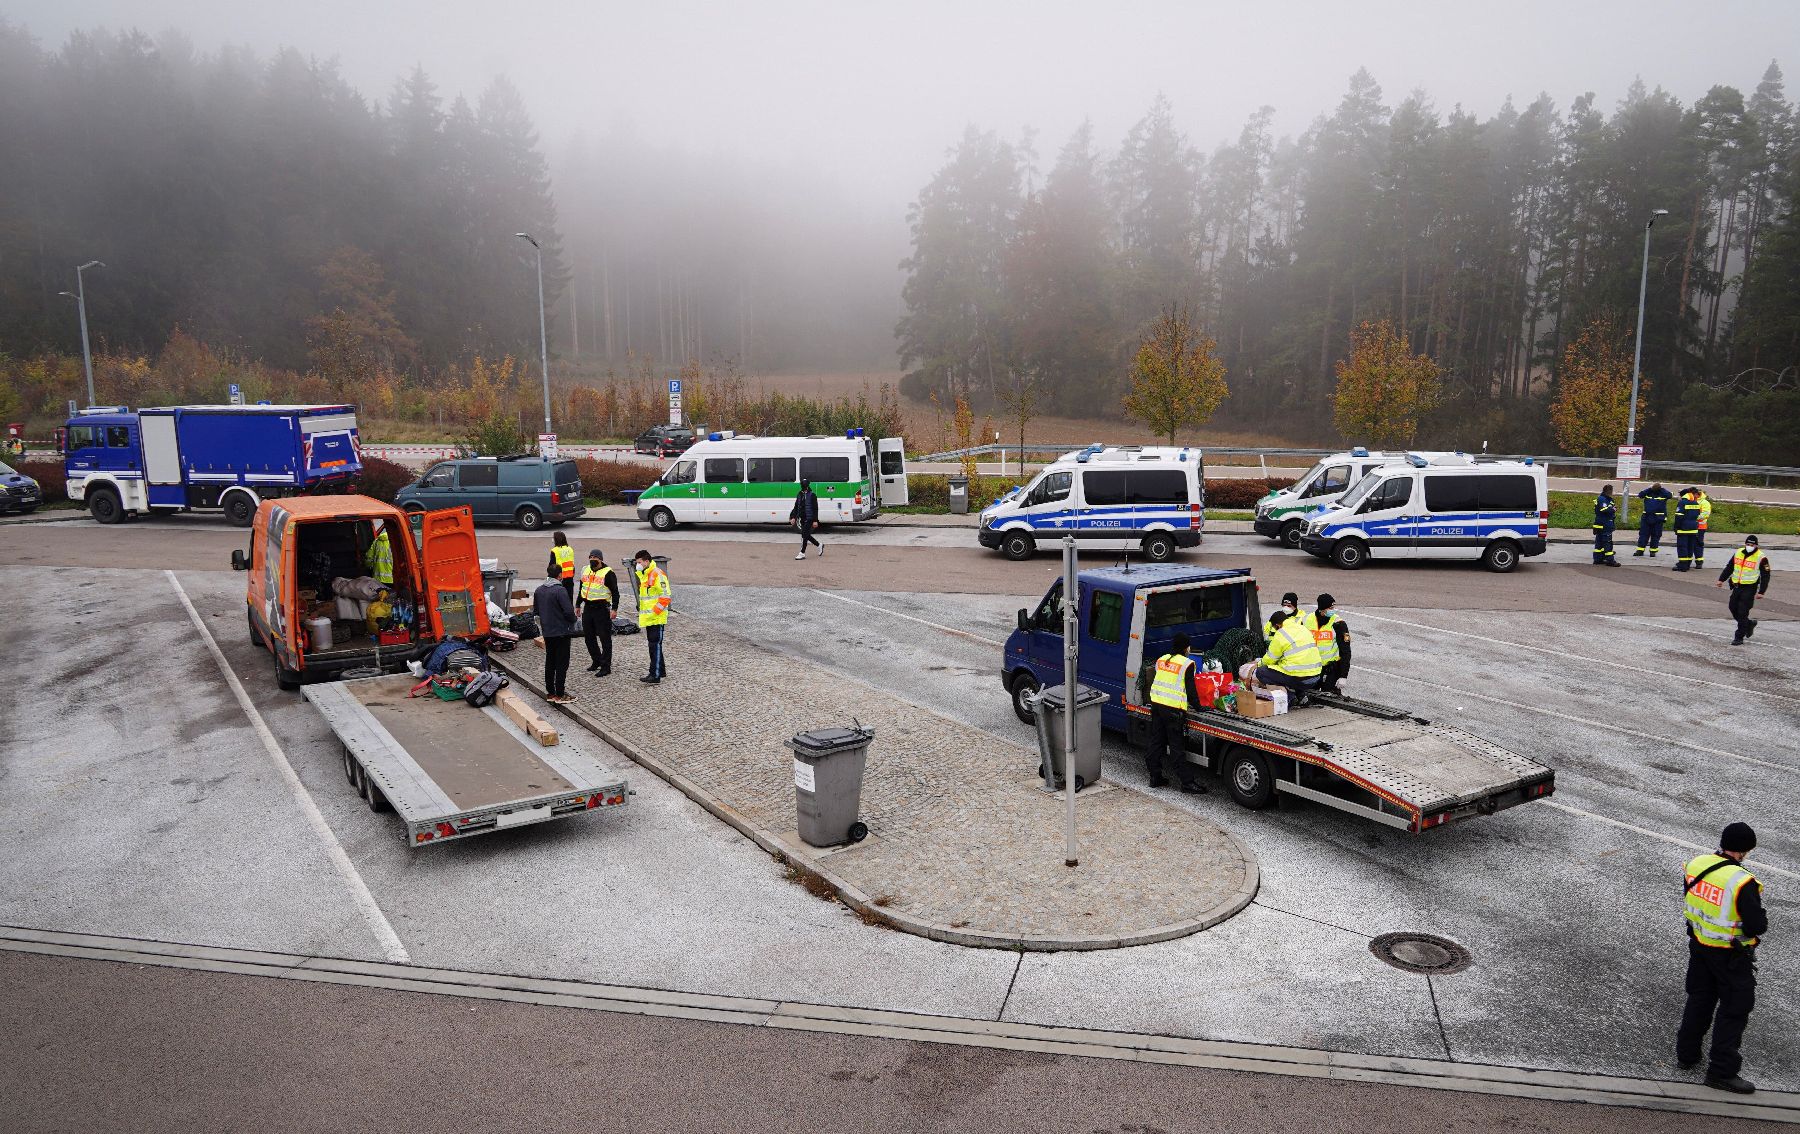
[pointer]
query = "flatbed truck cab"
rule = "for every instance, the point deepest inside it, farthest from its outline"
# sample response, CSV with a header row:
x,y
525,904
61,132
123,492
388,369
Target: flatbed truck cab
x,y
1372,760
298,545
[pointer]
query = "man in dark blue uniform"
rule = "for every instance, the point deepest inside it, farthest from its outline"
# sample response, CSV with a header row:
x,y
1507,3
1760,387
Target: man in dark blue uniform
x,y
1687,529
1655,500
1606,517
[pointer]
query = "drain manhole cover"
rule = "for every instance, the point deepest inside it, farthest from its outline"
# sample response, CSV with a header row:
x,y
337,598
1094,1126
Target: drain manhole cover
x,y
1421,953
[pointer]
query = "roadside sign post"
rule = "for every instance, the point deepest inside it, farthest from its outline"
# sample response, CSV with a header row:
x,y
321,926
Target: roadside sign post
x,y
1630,468
237,394
1071,653
547,446
674,401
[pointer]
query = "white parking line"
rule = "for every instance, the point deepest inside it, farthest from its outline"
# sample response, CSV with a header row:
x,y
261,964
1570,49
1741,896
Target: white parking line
x,y
1757,865
1686,679
1719,637
911,618
340,861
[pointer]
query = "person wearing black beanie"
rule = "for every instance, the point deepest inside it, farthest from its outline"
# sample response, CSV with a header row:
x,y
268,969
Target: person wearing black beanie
x,y
1725,924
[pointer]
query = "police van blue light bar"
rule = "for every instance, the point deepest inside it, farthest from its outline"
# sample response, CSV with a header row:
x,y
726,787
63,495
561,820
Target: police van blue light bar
x,y
1359,451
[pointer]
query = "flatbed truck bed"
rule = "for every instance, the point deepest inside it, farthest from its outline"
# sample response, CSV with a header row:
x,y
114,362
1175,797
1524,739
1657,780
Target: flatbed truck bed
x,y
449,771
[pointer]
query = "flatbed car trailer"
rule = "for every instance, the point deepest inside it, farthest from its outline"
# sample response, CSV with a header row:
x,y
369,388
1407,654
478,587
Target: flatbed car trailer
x,y
449,771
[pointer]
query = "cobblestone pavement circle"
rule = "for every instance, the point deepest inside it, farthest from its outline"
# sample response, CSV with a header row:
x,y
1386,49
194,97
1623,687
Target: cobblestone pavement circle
x,y
964,844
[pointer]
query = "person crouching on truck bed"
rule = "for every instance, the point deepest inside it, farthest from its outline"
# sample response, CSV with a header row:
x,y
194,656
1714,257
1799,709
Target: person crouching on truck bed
x,y
1290,606
1170,687
1332,634
1292,661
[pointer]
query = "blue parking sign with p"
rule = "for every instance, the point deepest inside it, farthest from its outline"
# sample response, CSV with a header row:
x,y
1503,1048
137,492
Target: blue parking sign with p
x,y
674,385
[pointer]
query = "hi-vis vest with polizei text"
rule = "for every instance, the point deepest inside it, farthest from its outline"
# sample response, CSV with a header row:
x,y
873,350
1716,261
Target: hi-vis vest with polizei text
x,y
1712,902
1169,689
1324,632
1746,569
1292,651
593,584
565,560
653,597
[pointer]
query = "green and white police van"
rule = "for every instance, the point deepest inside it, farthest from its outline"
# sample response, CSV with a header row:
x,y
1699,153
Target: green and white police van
x,y
1282,514
736,479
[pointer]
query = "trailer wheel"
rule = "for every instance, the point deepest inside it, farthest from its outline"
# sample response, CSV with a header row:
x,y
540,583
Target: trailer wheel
x,y
529,518
350,766
1017,546
1501,557
240,509
1290,533
285,678
1024,686
662,519
103,505
1248,778
1349,554
1158,548
372,792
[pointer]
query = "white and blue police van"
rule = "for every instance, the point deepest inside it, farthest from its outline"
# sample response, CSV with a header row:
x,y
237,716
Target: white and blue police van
x,y
1439,506
1281,515
1128,496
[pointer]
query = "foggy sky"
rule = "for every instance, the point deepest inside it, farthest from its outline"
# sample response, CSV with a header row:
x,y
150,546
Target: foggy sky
x,y
870,95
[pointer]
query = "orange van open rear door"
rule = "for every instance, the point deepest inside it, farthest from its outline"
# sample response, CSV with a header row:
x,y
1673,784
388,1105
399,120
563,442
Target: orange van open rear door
x,y
455,601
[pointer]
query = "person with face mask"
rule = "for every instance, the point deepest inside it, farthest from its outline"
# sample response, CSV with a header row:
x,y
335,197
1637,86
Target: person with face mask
x,y
596,598
653,612
1333,636
1748,574
1290,606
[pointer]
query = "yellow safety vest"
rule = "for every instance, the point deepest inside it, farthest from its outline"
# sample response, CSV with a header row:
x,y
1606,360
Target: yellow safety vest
x,y
1712,902
593,584
380,559
1746,569
1705,510
1294,652
565,559
1269,627
1325,634
653,597
1169,689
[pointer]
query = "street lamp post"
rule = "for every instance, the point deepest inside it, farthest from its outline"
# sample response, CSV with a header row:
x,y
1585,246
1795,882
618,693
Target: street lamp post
x,y
543,328
79,295
1637,357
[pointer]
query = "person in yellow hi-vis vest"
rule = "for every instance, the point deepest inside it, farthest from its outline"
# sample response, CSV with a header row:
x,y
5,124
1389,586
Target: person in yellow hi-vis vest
x,y
1705,502
1748,574
563,556
653,611
379,559
1169,685
1725,923
595,601
1292,660
1332,634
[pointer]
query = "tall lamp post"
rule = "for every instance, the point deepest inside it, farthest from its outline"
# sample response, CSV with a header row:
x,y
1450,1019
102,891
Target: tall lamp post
x,y
1637,356
543,330
79,295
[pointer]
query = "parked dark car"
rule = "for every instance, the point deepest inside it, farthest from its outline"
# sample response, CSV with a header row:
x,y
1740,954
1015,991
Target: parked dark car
x,y
665,440
527,491
18,492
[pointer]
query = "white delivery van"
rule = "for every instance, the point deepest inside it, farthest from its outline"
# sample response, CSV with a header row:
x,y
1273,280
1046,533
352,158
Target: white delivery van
x,y
736,479
1282,513
1152,498
1448,506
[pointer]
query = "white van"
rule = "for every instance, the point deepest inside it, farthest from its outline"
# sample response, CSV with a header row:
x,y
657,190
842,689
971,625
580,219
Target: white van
x,y
733,479
1444,507
1282,513
1151,498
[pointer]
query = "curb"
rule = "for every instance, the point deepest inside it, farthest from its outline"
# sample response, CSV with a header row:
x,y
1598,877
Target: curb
x,y
864,906
62,515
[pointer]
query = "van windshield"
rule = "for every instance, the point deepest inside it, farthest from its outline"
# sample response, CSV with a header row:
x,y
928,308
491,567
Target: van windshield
x,y
1359,493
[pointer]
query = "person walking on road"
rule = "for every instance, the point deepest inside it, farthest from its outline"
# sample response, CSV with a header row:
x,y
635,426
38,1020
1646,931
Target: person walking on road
x,y
563,556
1292,660
1654,514
1725,924
1748,574
805,515
1687,529
596,599
1606,518
1333,636
1700,535
1172,697
653,611
556,622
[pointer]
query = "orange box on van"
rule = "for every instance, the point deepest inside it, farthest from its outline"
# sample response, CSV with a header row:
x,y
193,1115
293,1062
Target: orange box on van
x,y
300,545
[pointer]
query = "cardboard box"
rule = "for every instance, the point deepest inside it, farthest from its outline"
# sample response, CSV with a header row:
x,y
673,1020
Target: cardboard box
x,y
1248,706
1277,696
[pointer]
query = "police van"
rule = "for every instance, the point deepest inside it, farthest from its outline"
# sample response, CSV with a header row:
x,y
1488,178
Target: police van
x,y
1140,496
739,479
1444,506
1282,513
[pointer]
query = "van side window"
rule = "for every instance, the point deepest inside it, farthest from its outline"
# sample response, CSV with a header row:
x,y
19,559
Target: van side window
x,y
1395,492
1156,486
825,470
1453,493
1179,608
893,463
1049,612
1508,493
440,476
772,470
482,474
1055,486
1105,616
1334,479
118,437
724,470
1103,488
681,473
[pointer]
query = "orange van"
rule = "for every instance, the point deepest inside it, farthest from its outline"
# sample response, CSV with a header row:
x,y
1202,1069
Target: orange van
x,y
300,544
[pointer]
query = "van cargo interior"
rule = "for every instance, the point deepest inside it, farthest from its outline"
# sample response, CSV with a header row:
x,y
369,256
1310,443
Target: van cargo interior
x,y
328,550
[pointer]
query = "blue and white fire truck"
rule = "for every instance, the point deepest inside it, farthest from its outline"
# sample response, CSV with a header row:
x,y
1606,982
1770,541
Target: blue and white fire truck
x,y
178,458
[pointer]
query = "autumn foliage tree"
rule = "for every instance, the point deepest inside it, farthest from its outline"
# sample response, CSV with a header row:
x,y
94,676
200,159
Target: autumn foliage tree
x,y
1593,395
1177,381
1383,388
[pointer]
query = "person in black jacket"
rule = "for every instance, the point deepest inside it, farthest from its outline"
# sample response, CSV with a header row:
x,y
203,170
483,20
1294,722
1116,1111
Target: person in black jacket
x,y
596,597
1650,523
1721,980
804,515
1748,573
1605,520
556,621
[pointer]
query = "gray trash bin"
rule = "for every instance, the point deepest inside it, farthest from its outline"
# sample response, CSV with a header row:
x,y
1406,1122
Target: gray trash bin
x,y
959,495
828,774
1053,704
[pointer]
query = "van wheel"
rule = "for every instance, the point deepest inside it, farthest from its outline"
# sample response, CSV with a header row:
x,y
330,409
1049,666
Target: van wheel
x,y
662,519
1501,557
240,509
285,678
1290,533
1018,546
1248,779
1024,686
1349,554
1158,548
256,638
103,505
529,518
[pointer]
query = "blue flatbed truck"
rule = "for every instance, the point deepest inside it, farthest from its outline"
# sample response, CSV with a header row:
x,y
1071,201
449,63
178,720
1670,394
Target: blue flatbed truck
x,y
1372,760
178,458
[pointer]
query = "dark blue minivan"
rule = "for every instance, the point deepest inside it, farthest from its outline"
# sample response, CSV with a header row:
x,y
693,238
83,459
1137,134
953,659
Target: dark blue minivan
x,y
527,491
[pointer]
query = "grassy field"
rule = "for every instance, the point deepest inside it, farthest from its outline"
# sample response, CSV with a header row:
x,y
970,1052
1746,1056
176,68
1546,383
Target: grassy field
x,y
1576,510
